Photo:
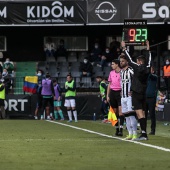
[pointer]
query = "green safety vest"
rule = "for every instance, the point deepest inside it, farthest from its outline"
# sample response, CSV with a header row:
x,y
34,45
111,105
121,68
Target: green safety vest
x,y
2,93
102,90
69,92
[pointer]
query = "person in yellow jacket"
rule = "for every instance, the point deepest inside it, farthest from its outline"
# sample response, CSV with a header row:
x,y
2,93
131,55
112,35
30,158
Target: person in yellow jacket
x,y
70,95
166,74
2,100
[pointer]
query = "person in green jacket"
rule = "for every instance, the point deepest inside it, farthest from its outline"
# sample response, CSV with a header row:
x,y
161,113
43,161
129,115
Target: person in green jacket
x,y
9,66
70,95
103,92
2,100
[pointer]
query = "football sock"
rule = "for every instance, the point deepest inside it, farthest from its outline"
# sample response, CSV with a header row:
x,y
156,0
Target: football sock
x,y
133,124
143,124
128,125
55,114
75,114
61,114
69,114
122,118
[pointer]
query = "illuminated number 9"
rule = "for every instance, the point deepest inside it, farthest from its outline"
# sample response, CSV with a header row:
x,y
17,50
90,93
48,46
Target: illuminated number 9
x,y
132,34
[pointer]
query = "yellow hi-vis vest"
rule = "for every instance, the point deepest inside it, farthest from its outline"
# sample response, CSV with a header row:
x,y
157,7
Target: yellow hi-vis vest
x,y
167,71
69,92
2,93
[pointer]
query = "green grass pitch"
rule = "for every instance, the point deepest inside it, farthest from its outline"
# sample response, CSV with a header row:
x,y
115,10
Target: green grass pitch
x,y
42,145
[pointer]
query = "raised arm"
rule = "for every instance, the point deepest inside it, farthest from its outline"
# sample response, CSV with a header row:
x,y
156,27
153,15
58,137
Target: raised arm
x,y
130,61
148,55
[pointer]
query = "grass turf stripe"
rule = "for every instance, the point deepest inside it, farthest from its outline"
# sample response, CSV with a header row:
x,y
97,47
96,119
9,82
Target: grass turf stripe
x,y
109,136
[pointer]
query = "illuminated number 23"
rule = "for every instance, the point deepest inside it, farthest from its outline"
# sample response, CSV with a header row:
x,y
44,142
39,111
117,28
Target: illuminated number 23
x,y
138,35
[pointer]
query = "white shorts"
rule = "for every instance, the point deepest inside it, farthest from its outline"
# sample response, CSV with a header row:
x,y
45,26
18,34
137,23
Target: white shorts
x,y
126,104
70,103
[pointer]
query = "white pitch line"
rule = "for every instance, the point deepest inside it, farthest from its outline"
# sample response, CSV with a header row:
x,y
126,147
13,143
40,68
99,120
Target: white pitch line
x,y
109,136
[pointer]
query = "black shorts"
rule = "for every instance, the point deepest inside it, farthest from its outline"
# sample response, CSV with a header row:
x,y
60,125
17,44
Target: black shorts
x,y
138,101
39,101
2,102
47,102
115,98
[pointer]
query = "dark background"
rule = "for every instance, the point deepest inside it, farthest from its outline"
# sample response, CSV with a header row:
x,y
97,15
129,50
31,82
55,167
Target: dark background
x,y
26,43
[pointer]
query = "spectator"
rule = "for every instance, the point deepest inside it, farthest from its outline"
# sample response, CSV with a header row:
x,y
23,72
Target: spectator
x,y
7,80
86,68
95,55
115,47
39,97
166,74
151,94
49,48
61,50
106,58
9,66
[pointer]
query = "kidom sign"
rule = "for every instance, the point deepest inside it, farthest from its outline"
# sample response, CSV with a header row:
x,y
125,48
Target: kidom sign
x,y
43,12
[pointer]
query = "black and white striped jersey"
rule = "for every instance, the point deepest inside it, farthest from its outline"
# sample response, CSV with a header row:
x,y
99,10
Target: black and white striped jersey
x,y
126,80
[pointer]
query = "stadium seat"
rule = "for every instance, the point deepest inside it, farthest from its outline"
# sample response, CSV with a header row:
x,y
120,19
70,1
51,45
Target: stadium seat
x,y
54,74
81,58
63,74
61,81
107,71
75,64
96,69
50,59
77,80
72,59
86,82
63,68
61,59
72,54
75,74
75,68
82,55
98,73
42,65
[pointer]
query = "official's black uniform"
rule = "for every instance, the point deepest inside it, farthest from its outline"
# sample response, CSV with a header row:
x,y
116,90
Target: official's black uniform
x,y
138,87
139,81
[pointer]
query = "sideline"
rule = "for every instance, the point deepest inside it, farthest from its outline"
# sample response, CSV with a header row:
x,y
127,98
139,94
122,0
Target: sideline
x,y
109,136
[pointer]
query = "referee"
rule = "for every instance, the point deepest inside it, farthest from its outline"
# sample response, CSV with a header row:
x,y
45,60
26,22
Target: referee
x,y
113,94
139,85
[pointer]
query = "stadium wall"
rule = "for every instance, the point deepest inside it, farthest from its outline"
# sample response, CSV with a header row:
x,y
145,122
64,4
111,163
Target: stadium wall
x,y
23,106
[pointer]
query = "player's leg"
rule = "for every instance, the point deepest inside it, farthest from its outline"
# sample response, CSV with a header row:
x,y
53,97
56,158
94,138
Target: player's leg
x,y
125,113
114,105
73,107
132,117
55,110
60,112
68,105
138,101
121,116
152,104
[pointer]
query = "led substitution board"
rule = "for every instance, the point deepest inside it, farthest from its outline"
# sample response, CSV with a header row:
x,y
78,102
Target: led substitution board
x,y
135,31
